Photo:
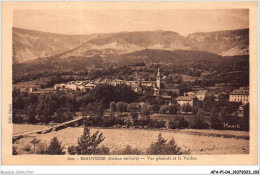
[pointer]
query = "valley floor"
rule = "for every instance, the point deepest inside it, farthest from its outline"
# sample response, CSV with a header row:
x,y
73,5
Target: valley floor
x,y
195,140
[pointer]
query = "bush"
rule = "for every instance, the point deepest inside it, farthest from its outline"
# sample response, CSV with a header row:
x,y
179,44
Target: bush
x,y
180,123
173,109
41,149
199,122
217,123
27,148
155,108
164,109
72,150
161,147
128,123
55,147
14,152
88,144
128,150
186,108
103,150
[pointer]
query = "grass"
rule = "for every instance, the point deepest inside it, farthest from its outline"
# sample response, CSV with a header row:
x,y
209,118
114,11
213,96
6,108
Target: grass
x,y
197,141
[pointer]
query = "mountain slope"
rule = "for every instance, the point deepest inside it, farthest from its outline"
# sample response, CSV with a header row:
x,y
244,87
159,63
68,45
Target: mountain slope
x,y
126,42
225,43
29,45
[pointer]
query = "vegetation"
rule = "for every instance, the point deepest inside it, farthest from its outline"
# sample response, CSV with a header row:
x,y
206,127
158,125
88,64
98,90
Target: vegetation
x,y
128,150
55,147
162,147
179,123
88,144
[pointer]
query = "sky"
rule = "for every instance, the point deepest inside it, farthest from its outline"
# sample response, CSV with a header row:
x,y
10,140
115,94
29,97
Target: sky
x,y
182,21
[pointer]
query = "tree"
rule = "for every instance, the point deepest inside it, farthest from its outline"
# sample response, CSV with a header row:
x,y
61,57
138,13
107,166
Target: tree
x,y
87,143
164,109
208,103
186,107
146,110
35,142
155,108
199,122
112,106
55,147
173,109
179,122
31,113
216,122
14,152
120,106
161,147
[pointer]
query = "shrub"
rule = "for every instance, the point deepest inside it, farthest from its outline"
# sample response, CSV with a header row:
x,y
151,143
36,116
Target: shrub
x,y
128,150
41,149
164,109
161,147
128,123
155,108
186,108
173,109
55,147
14,152
27,148
72,150
103,150
199,122
180,123
216,123
87,143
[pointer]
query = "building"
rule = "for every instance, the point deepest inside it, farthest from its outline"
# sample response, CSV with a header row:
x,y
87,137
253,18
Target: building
x,y
240,95
185,100
32,89
188,79
158,80
137,86
190,94
201,94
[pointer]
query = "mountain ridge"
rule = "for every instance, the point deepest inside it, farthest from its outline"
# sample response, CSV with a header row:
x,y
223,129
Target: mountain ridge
x,y
29,44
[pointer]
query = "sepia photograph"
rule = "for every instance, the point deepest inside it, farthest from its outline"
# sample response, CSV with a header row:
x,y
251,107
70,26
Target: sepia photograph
x,y
131,81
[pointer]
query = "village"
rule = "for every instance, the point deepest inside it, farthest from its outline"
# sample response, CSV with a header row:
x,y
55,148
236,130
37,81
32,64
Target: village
x,y
198,94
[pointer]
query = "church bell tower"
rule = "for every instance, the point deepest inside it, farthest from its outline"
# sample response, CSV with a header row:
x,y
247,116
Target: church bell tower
x,y
158,79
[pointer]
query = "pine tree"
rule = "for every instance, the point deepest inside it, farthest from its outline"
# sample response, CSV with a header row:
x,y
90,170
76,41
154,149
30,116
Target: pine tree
x,y
87,143
161,147
55,147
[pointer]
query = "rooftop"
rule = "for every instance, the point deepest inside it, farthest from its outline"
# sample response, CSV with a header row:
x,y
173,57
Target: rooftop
x,y
240,91
183,98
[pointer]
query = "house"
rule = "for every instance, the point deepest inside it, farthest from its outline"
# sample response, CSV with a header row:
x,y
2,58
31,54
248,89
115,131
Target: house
x,y
185,100
240,95
32,89
190,94
201,94
90,86
188,79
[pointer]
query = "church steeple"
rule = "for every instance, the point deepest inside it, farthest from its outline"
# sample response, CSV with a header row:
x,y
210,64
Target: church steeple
x,y
158,79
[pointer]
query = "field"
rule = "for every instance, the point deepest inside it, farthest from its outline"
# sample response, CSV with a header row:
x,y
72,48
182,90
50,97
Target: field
x,y
197,141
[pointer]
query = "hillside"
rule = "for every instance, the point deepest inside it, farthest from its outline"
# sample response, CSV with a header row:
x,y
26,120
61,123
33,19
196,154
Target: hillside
x,y
225,43
166,56
126,42
30,45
